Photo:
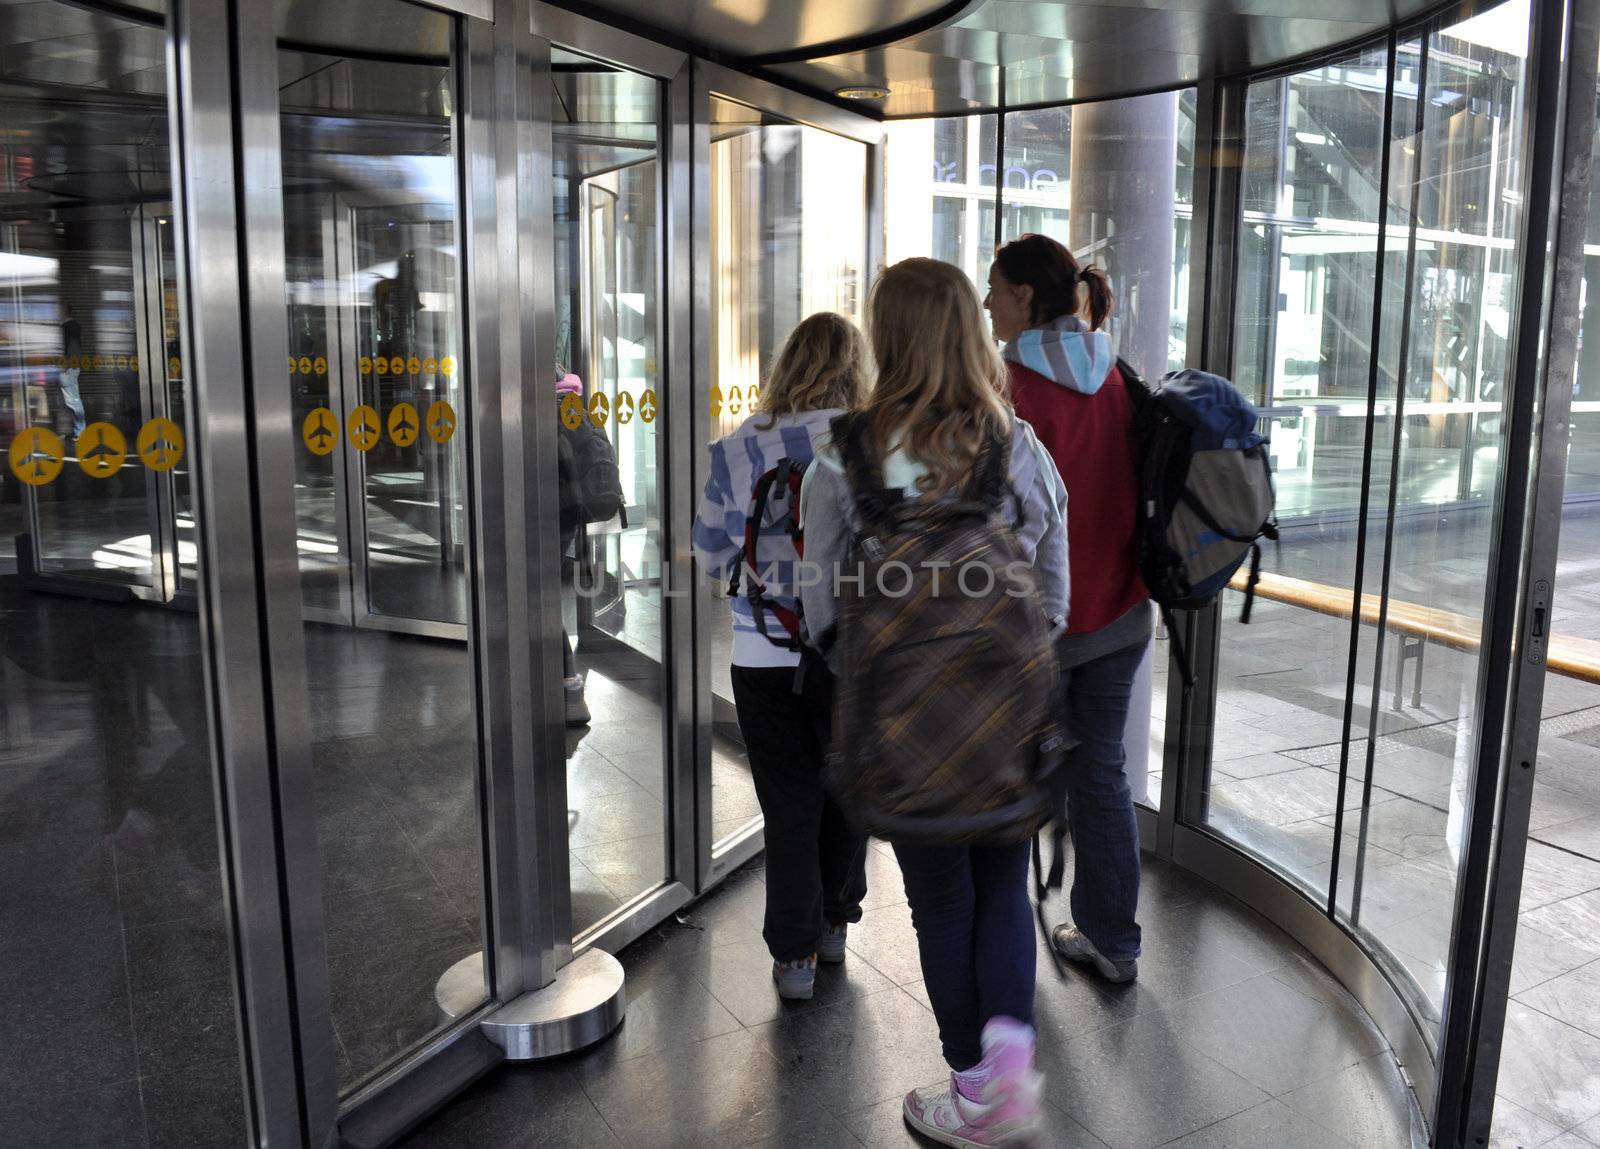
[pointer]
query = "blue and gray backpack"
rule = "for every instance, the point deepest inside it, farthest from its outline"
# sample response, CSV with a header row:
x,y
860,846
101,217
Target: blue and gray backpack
x,y
1205,492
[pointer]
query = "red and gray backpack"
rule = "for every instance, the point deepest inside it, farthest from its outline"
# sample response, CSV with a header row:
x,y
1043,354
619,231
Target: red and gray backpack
x,y
774,503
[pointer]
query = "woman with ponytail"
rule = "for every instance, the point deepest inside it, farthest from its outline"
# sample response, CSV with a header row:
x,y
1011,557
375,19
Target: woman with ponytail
x,y
1048,311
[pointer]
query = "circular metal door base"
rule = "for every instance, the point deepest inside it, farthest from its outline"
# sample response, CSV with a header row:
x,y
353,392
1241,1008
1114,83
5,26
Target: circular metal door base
x,y
584,1005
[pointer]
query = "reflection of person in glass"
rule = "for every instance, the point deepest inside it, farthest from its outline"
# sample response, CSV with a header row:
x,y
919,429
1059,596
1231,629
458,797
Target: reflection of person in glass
x,y
816,864
589,490
72,352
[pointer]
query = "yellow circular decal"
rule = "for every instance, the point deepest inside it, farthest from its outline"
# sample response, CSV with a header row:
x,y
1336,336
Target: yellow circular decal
x,y
174,367
99,362
441,422
160,444
413,366
305,364
133,363
403,425
363,428
36,455
751,395
599,408
366,365
397,366
647,405
430,366
448,365
294,365
624,409
321,365
571,411
734,399
320,431
101,450
380,364
716,400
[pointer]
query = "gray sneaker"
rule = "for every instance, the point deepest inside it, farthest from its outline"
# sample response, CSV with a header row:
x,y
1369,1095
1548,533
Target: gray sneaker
x,y
1071,944
797,980
831,948
577,708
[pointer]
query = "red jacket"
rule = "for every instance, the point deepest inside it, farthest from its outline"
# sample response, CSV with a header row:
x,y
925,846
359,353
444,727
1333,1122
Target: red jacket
x,y
1091,439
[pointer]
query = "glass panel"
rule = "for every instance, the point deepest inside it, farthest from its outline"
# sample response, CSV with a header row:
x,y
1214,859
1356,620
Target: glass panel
x,y
772,265
1400,893
370,183
1142,241
1550,1055
118,988
1312,189
938,181
605,388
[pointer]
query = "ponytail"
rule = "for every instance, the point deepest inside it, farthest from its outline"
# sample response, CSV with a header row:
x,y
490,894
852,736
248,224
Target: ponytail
x,y
1045,265
1097,286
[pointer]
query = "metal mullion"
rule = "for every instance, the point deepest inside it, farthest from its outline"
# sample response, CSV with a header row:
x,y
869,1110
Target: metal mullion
x,y
1364,507
351,467
226,156
340,336
1473,1028
687,395
1195,710
1397,450
158,503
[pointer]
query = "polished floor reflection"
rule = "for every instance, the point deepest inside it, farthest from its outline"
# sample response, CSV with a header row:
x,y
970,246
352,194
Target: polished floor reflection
x,y
1232,1037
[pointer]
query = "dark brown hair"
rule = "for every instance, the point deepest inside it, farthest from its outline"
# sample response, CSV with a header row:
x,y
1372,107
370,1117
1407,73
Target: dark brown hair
x,y
1041,263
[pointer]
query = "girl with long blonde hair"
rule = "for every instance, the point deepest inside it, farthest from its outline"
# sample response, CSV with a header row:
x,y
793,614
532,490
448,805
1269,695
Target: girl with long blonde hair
x,y
816,865
938,405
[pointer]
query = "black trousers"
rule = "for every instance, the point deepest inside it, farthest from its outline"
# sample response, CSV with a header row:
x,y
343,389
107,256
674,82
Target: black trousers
x,y
816,864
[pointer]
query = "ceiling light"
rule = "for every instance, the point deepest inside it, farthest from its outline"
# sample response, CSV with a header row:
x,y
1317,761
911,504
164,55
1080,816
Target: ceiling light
x,y
862,92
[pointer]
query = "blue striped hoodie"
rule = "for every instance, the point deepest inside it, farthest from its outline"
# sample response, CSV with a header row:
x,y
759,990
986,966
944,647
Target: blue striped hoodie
x,y
737,461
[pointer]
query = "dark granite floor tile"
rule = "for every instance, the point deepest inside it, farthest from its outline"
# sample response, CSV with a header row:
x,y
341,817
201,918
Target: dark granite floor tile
x,y
1366,1103
187,1024
518,1107
202,1104
96,1117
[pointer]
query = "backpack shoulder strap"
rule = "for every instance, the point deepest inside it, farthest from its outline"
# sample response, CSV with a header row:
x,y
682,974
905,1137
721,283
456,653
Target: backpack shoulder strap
x,y
861,470
1138,390
988,482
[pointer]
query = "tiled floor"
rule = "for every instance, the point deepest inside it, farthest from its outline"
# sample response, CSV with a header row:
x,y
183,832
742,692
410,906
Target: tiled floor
x,y
1232,1037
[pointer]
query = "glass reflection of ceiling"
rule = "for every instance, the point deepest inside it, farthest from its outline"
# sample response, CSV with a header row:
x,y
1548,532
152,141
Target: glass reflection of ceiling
x,y
604,118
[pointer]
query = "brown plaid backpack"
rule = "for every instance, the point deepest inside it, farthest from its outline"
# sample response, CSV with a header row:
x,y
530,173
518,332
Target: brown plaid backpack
x,y
943,724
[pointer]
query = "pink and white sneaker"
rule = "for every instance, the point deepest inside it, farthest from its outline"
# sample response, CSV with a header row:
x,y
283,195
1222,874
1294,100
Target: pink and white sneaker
x,y
1006,1111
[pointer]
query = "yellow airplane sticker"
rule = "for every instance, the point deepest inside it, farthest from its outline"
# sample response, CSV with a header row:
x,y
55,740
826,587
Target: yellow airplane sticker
x,y
734,401
430,366
366,365
397,366
36,455
380,364
716,400
133,363
362,428
305,364
413,366
571,411
599,408
752,395
294,365
99,362
448,365
160,444
321,365
174,367
441,422
624,409
101,450
647,405
320,431
403,425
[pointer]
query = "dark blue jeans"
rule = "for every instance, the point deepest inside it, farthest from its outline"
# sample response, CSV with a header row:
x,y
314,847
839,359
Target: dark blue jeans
x,y
1105,833
975,935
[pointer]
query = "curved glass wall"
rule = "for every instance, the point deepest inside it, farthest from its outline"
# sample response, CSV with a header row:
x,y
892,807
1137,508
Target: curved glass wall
x,y
1376,274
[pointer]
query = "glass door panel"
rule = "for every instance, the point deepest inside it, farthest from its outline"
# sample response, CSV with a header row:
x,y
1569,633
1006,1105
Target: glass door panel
x,y
372,222
788,239
605,389
119,960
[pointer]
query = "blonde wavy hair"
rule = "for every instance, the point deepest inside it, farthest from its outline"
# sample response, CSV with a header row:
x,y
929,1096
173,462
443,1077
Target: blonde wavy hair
x,y
941,384
823,364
